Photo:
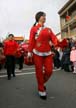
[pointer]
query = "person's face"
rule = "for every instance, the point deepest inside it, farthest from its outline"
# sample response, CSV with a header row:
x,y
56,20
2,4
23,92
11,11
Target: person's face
x,y
42,19
11,38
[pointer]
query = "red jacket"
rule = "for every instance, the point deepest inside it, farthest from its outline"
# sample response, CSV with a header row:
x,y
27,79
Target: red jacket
x,y
10,47
41,44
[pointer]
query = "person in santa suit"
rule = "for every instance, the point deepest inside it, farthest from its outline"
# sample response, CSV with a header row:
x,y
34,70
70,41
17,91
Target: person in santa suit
x,y
10,48
40,42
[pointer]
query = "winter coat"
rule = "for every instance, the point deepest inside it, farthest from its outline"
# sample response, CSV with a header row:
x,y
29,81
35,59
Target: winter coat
x,y
73,55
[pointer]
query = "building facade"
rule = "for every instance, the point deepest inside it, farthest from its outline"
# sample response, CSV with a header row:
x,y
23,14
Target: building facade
x,y
19,39
68,19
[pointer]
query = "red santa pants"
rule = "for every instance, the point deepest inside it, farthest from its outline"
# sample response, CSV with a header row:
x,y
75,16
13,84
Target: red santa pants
x,y
44,67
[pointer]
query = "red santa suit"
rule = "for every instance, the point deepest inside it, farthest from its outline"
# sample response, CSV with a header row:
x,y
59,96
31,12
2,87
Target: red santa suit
x,y
10,48
39,44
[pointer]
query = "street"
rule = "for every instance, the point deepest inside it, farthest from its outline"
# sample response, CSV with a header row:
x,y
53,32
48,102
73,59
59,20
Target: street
x,y
21,91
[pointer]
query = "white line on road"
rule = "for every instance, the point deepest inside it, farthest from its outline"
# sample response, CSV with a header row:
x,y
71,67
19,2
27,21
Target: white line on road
x,y
19,74
24,69
28,73
17,70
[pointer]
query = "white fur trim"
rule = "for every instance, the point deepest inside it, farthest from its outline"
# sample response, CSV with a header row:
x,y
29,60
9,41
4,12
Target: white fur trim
x,y
41,53
29,54
42,93
38,31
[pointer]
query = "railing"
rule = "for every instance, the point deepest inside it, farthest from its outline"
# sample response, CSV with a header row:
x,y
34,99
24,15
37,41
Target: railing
x,y
69,22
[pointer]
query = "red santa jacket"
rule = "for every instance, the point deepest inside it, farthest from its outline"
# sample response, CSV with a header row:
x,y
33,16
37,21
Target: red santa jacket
x,y
20,50
10,47
42,42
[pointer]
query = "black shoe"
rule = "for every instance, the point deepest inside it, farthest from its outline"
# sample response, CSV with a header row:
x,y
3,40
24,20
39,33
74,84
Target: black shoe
x,y
14,75
9,78
20,68
43,95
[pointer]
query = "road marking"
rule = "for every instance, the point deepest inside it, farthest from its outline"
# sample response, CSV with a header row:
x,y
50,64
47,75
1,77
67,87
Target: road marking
x,y
19,74
17,70
52,98
28,73
2,76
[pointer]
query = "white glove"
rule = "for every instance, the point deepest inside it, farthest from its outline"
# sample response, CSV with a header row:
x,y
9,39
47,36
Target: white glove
x,y
29,54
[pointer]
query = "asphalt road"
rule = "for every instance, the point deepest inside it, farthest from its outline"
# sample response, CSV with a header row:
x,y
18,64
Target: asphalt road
x,y
21,91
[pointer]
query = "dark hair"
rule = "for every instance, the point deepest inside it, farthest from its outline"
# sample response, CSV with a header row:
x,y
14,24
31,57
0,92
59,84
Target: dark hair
x,y
38,15
10,35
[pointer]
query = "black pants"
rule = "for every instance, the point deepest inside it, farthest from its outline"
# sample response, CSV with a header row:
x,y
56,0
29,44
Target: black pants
x,y
69,67
21,61
10,65
57,63
0,66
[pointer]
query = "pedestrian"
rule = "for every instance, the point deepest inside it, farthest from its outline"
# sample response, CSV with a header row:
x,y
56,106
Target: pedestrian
x,y
56,58
21,58
2,57
66,59
10,47
39,47
73,57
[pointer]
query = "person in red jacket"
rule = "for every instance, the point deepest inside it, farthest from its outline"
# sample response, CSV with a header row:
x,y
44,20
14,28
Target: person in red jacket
x,y
10,48
41,40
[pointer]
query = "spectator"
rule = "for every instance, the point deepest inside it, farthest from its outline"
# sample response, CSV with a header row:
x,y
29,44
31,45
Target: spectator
x,y
73,57
56,58
65,62
1,55
10,47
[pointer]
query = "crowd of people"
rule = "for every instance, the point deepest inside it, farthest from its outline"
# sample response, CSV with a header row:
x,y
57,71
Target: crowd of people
x,y
65,57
